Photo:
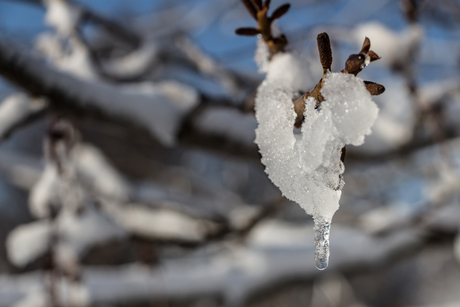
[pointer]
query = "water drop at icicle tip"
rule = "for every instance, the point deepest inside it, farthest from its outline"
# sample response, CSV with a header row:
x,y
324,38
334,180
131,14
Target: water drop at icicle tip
x,y
322,229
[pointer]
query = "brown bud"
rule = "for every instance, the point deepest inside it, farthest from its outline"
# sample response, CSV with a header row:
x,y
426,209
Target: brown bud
x,y
354,64
366,46
252,10
373,55
373,88
247,31
325,51
280,11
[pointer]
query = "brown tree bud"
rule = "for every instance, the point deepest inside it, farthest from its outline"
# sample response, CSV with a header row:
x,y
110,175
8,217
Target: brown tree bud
x,y
373,88
325,51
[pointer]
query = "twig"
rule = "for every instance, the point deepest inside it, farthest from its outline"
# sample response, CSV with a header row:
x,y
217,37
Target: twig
x,y
259,11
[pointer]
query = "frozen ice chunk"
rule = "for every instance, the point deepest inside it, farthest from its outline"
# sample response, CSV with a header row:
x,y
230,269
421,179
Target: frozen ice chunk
x,y
322,230
307,167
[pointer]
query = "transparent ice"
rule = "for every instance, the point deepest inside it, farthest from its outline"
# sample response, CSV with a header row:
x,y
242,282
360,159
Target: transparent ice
x,y
322,229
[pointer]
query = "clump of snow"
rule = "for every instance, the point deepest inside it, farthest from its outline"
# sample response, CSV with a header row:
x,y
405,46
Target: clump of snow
x,y
307,166
289,71
27,242
352,109
62,15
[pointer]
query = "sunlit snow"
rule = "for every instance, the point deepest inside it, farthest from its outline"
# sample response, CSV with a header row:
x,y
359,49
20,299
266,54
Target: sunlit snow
x,y
307,166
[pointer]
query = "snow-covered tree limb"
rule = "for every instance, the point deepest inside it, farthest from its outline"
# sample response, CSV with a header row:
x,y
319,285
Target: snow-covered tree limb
x,y
143,203
265,261
115,28
159,110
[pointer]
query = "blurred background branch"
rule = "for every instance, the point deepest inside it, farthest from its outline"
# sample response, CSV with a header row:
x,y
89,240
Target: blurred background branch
x,y
163,200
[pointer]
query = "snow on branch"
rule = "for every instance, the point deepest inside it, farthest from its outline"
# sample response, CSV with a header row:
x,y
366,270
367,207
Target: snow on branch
x,y
236,274
77,12
135,205
17,110
150,106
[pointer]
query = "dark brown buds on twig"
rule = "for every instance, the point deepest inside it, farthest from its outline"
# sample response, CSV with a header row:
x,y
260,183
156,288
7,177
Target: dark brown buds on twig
x,y
354,64
325,51
259,10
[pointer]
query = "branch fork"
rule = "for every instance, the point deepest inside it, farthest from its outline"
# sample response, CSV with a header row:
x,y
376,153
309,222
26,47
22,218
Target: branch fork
x,y
259,11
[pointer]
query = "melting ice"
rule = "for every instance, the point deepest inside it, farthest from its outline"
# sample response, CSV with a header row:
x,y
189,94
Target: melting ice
x,y
307,167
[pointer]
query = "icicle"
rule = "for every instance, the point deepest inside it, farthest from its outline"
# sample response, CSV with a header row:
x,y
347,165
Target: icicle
x,y
322,229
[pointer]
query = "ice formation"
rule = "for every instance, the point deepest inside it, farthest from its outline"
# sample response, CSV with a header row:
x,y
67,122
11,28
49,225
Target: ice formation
x,y
307,167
